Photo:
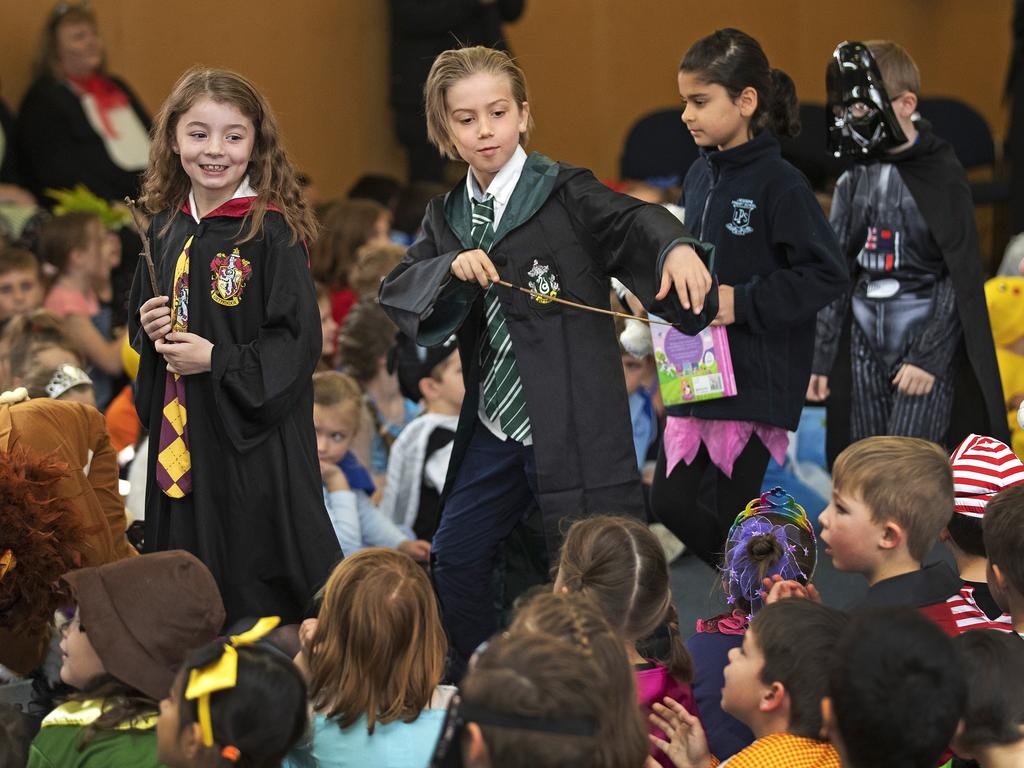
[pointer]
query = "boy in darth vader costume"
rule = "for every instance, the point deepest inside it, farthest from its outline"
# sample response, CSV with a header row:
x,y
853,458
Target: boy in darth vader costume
x,y
908,351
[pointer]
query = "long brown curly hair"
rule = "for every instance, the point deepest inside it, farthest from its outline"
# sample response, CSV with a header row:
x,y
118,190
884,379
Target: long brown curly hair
x,y
41,537
271,173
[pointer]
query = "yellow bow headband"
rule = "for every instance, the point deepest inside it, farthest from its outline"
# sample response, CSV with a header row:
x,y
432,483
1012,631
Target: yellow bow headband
x,y
221,674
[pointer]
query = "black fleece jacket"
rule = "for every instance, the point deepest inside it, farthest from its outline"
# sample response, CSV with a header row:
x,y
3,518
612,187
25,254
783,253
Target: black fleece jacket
x,y
775,247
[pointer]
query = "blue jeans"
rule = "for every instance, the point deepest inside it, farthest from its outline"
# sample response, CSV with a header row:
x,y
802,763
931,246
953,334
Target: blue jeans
x,y
494,489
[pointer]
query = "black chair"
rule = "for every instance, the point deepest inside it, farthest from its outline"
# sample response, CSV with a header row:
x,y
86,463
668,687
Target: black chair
x,y
964,127
809,150
658,149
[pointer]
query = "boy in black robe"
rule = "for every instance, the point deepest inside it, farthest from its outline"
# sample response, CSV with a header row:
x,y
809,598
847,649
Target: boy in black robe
x,y
559,435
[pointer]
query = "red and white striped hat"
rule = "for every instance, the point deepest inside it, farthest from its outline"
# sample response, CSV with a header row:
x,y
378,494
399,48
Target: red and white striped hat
x,y
982,467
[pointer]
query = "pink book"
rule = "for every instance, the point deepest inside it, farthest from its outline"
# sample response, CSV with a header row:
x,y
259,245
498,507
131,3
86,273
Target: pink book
x,y
693,368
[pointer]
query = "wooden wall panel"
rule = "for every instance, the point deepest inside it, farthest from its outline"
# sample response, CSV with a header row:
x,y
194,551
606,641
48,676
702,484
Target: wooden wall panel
x,y
593,65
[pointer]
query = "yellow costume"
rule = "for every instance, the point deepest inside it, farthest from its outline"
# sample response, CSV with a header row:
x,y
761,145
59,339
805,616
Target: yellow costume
x,y
1005,299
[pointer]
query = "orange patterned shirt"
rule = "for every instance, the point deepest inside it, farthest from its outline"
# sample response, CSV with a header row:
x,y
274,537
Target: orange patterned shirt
x,y
784,750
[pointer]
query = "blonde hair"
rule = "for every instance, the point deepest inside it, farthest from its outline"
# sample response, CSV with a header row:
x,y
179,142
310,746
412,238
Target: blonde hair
x,y
904,480
457,64
374,263
271,173
332,389
899,72
379,647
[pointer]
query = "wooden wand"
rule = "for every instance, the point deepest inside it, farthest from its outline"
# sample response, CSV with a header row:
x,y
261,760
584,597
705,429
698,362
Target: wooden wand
x,y
545,299
140,228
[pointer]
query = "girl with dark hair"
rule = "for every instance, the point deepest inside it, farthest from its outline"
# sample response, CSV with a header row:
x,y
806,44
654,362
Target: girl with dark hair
x,y
131,625
251,718
771,537
778,263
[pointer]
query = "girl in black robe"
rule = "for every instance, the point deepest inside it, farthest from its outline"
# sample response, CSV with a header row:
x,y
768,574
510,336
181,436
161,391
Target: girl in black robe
x,y
225,378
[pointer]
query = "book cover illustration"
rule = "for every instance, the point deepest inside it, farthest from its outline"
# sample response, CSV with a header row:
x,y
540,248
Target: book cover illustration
x,y
693,368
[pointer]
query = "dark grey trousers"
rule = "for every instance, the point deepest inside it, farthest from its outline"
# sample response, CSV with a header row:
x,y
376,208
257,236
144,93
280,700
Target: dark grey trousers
x,y
880,409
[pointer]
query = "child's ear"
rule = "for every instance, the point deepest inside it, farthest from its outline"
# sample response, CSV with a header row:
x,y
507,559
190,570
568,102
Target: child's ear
x,y
998,577
747,101
773,698
192,741
955,744
893,535
906,104
427,387
827,726
474,749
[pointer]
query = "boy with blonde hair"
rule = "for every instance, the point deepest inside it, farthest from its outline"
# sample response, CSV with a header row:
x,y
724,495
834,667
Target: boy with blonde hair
x,y
904,218
891,496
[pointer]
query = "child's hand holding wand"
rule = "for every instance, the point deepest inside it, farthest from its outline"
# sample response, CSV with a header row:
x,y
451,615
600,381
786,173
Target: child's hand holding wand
x,y
475,265
155,318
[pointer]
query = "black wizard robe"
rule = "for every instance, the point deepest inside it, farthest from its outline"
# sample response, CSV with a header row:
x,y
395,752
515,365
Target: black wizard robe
x,y
563,233
256,514
939,186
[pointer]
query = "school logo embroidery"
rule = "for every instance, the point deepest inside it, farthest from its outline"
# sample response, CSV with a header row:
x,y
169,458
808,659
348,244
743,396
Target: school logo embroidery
x,y
741,210
229,274
543,281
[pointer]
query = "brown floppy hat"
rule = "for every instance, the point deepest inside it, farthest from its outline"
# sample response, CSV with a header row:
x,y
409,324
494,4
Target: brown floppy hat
x,y
144,615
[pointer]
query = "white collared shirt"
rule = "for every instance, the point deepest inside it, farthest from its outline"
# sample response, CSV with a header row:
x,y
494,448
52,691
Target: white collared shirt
x,y
244,190
502,187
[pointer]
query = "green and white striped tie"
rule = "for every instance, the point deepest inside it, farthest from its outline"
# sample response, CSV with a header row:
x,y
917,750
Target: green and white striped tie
x,y
504,401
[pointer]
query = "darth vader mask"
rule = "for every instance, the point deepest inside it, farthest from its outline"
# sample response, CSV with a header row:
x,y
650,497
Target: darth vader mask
x,y
861,121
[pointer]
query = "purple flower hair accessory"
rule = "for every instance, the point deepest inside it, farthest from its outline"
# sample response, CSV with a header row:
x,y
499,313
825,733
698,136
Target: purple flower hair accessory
x,y
739,570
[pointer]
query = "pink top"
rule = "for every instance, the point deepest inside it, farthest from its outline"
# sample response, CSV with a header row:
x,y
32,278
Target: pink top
x,y
63,301
652,685
725,440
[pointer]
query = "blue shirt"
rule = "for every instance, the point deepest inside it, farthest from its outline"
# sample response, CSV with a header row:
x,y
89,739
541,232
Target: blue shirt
x,y
394,745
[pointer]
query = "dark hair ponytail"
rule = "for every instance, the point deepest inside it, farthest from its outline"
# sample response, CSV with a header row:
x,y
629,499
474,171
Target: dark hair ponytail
x,y
734,60
679,663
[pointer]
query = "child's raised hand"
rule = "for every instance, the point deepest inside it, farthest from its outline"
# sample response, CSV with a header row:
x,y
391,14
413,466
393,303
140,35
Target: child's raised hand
x,y
155,317
417,549
776,588
475,265
687,746
185,353
685,270
914,381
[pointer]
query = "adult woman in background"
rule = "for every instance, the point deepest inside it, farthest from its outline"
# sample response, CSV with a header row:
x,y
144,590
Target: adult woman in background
x,y
78,124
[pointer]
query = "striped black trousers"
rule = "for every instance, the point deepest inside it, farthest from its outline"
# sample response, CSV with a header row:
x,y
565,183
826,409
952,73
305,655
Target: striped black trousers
x,y
880,409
